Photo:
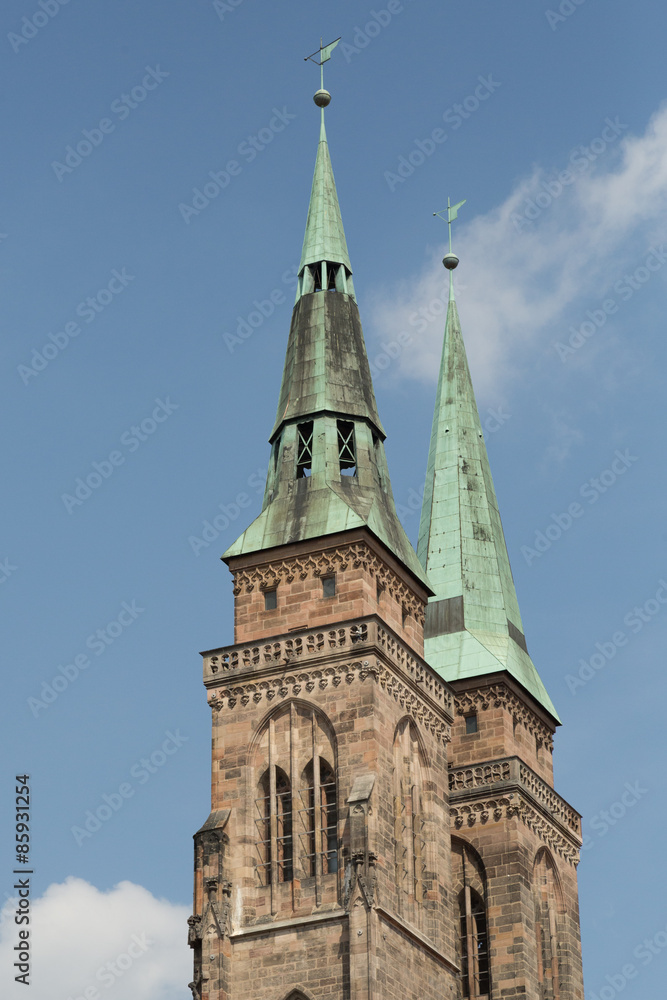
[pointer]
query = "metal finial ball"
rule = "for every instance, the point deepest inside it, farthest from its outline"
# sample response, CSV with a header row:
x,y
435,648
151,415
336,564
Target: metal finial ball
x,y
450,260
322,98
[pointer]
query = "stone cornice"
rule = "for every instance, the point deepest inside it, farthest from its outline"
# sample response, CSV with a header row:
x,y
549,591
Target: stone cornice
x,y
517,791
322,562
464,782
415,702
289,665
500,695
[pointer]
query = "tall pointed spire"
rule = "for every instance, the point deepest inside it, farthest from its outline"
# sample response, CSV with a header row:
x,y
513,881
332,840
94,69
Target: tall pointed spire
x,y
473,625
328,471
324,239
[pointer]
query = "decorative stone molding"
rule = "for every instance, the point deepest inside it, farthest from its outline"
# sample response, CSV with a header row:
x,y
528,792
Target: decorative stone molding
x,y
356,555
549,798
286,650
424,677
462,779
482,774
360,871
507,806
364,636
500,696
307,681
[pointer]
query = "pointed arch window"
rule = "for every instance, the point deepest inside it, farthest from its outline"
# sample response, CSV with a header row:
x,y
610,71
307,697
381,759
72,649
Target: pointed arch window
x,y
469,882
275,844
473,944
296,811
321,818
408,814
547,905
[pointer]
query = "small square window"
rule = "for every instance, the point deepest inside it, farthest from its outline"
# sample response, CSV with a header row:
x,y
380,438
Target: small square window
x,y
270,600
471,723
328,586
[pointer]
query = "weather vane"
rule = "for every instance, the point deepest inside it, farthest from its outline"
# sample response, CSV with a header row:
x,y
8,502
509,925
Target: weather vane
x,y
322,97
450,260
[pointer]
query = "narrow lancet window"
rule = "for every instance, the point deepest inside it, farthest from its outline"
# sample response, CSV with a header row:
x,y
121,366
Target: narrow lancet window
x,y
296,811
469,881
408,816
321,819
547,906
346,449
275,844
304,449
474,944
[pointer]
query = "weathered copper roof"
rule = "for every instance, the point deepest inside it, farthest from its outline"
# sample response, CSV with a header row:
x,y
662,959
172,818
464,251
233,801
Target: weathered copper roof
x,y
473,623
326,366
326,380
324,238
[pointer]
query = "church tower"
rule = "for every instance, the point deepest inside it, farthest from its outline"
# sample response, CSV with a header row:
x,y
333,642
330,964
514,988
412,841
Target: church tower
x,y
515,841
343,752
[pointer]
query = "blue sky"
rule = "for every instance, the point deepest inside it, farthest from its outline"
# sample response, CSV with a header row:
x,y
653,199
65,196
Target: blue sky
x,y
150,382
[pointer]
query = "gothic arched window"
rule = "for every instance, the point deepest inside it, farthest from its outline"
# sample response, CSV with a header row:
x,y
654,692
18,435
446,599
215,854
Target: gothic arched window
x,y
408,813
321,819
469,882
546,894
296,810
276,845
473,944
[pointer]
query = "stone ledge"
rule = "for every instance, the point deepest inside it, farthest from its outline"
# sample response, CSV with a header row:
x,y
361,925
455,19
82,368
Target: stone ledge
x,y
295,922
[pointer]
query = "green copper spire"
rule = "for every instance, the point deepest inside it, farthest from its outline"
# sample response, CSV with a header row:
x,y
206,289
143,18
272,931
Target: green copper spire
x,y
328,471
325,261
324,239
473,624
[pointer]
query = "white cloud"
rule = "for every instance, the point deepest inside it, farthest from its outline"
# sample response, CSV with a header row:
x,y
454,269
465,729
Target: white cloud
x,y
524,283
125,944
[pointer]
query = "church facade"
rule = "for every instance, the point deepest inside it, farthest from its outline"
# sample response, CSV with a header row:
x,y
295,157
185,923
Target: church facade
x,y
383,820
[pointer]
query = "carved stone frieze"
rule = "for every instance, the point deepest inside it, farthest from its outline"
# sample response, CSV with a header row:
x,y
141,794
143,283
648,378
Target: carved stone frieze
x,y
356,555
306,681
500,696
481,774
507,806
